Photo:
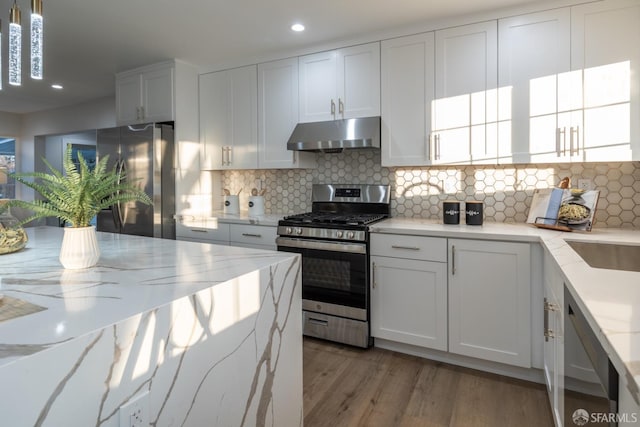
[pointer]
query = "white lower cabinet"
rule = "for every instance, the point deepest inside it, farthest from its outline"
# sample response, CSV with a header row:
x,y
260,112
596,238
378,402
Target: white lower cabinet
x,y
220,233
253,236
490,300
202,230
409,290
409,301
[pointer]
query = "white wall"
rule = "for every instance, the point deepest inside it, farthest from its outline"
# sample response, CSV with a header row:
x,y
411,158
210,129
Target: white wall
x,y
10,124
100,113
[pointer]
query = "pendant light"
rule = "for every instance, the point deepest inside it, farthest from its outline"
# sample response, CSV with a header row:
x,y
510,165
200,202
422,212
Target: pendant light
x,y
15,46
36,39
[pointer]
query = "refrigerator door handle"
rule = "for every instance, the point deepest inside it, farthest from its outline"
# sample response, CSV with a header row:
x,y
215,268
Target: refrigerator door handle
x,y
118,206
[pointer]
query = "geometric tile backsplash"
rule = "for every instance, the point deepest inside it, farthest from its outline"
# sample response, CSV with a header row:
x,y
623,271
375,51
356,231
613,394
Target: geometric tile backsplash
x,y
506,190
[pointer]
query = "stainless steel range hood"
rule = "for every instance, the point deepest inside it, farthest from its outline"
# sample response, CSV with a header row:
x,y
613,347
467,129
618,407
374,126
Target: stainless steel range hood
x,y
335,136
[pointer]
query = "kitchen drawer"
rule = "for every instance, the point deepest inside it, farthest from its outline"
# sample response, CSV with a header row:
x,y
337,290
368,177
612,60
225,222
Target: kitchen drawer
x,y
409,247
206,230
253,235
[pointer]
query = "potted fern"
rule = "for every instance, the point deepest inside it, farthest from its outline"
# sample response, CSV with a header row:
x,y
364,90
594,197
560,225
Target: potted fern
x,y
75,196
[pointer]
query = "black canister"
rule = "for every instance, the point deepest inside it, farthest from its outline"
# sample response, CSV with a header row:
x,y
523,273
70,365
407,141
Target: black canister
x,y
451,212
474,213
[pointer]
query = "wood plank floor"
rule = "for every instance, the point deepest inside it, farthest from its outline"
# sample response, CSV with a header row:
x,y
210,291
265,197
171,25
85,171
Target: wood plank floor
x,y
346,386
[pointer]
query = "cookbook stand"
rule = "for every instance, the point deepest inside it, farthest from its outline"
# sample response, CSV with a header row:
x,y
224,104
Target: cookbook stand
x,y
557,224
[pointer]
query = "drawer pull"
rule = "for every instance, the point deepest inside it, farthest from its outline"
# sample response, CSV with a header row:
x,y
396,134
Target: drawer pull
x,y
198,230
409,248
252,235
318,322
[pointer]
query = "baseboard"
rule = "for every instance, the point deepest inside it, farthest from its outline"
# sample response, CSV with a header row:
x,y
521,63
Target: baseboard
x,y
531,374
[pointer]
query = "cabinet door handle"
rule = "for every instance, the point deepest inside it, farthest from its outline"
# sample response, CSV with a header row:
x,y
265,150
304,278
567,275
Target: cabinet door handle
x,y
224,153
546,320
409,248
437,147
229,155
373,274
142,113
252,235
453,260
333,108
428,143
571,141
577,145
561,141
341,107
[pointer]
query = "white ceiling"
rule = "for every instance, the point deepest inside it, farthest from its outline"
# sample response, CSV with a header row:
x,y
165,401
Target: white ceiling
x,y
88,41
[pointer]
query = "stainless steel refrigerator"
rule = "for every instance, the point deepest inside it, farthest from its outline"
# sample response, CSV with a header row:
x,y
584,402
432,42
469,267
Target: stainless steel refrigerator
x,y
145,153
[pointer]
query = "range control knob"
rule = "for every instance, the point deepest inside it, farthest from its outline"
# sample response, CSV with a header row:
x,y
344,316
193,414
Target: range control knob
x,y
350,235
339,234
298,231
289,230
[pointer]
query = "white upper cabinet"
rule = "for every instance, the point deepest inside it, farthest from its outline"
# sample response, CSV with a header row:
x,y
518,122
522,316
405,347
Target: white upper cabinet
x,y
605,37
535,86
146,94
464,112
340,84
407,89
278,115
228,122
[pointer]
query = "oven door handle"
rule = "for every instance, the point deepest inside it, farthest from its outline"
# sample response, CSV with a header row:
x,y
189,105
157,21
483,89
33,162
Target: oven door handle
x,y
321,245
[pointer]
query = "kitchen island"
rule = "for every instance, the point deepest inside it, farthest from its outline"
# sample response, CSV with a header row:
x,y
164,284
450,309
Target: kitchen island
x,y
191,334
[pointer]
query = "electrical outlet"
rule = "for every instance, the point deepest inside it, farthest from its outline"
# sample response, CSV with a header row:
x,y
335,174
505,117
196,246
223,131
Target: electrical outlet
x,y
584,184
135,413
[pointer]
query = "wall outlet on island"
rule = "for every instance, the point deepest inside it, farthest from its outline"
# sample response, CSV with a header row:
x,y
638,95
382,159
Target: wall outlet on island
x,y
135,413
584,184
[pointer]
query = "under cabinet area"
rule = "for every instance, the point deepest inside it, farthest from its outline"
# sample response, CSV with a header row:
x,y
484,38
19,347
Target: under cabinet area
x,y
409,290
490,300
340,84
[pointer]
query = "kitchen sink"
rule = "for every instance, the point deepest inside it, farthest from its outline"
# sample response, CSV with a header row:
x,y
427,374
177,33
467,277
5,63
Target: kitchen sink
x,y
608,255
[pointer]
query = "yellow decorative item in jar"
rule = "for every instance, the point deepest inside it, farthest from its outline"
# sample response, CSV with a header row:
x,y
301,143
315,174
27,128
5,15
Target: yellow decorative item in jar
x,y
12,235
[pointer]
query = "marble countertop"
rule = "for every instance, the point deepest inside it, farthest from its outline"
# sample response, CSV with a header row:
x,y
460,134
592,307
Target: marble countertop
x,y
134,275
610,299
242,218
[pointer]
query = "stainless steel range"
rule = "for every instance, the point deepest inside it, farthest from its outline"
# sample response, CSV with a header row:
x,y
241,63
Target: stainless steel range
x,y
334,242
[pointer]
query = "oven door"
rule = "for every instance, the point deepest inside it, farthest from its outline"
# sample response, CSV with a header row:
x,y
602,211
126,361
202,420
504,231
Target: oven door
x,y
335,276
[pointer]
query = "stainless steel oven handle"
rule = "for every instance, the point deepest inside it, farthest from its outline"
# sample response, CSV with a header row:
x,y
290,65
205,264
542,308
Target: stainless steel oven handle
x,y
322,245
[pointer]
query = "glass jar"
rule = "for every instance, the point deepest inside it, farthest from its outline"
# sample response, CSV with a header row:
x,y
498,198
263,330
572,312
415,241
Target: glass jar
x,y
12,235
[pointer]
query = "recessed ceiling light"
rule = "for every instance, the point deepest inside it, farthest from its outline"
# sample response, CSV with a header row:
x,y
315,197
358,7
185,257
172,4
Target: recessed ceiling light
x,y
297,27
56,86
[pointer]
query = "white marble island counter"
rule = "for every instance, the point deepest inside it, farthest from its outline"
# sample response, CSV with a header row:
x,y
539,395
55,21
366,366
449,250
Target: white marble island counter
x,y
212,334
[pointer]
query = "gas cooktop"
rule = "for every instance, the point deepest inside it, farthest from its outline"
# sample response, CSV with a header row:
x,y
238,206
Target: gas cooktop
x,y
331,218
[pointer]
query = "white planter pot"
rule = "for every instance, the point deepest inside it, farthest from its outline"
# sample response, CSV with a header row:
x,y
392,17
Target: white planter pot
x,y
79,248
